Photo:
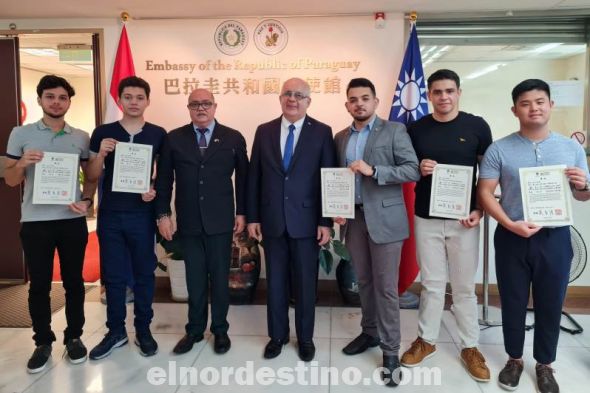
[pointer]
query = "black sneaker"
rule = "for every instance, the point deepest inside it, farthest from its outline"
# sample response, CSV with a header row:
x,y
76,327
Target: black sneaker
x,y
108,343
146,343
39,359
76,351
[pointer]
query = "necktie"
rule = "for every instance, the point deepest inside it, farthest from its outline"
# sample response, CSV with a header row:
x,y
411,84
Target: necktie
x,y
202,139
289,147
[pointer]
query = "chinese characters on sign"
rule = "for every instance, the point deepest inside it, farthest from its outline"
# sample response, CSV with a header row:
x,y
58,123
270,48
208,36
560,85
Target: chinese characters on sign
x,y
237,85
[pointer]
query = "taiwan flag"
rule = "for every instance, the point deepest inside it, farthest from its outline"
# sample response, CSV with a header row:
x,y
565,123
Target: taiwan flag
x,y
409,104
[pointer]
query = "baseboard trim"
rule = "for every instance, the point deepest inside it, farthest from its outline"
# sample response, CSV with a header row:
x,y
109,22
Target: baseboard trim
x,y
330,285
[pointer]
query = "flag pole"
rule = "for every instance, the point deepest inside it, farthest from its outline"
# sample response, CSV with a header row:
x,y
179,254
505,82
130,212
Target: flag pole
x,y
125,16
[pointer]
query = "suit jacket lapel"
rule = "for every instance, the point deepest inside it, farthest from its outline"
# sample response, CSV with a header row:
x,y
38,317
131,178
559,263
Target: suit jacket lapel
x,y
342,147
190,140
373,135
275,136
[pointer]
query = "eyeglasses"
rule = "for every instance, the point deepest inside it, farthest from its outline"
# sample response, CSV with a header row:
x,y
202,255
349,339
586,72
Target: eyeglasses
x,y
195,105
294,94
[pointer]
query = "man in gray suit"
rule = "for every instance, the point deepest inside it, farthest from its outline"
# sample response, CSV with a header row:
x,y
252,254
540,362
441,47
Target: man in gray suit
x,y
381,155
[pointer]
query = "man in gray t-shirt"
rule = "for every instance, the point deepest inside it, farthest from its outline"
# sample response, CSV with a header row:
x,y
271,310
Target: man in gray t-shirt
x,y
47,227
527,254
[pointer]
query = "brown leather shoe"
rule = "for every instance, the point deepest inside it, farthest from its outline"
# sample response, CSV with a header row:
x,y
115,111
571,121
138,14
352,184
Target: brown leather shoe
x,y
475,364
419,351
545,380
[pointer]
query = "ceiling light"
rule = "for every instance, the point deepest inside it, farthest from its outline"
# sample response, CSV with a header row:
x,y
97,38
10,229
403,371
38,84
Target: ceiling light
x,y
545,47
485,70
42,52
88,67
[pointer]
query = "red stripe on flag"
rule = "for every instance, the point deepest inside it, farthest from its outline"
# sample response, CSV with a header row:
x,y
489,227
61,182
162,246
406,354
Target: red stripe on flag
x,y
408,268
123,67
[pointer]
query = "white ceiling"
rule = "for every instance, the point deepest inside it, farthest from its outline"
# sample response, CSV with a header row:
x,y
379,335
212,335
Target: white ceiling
x,y
141,9
51,64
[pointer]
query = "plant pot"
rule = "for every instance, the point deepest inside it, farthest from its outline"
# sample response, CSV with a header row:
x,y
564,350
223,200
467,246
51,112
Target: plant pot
x,y
177,272
347,283
244,270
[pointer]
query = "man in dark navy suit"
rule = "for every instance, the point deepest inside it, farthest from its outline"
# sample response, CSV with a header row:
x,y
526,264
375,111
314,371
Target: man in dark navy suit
x,y
201,157
284,207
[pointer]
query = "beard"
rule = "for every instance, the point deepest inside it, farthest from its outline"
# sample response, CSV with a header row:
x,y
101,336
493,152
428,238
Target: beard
x,y
362,118
54,116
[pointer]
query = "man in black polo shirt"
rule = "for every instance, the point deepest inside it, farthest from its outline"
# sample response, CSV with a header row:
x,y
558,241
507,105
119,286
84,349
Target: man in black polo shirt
x,y
126,223
446,247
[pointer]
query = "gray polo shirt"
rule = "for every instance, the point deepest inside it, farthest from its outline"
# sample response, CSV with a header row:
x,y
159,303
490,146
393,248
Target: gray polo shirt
x,y
40,137
505,156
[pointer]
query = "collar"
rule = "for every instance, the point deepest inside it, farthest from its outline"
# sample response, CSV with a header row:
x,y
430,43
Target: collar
x,y
368,127
524,138
298,124
209,127
44,127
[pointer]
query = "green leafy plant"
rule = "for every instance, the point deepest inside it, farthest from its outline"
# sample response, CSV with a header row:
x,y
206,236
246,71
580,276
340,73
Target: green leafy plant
x,y
336,246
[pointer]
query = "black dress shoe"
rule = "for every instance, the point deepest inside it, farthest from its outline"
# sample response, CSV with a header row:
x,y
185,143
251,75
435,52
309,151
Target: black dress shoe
x,y
509,377
545,380
274,348
186,343
361,344
394,375
306,351
222,343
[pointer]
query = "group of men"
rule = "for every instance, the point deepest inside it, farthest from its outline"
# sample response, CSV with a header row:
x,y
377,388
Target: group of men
x,y
276,196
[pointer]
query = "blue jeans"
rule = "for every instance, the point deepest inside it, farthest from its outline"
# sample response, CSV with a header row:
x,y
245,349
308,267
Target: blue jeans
x,y
127,242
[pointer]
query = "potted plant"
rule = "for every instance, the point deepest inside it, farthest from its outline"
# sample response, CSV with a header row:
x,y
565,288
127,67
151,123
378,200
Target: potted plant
x,y
244,270
173,263
347,282
243,274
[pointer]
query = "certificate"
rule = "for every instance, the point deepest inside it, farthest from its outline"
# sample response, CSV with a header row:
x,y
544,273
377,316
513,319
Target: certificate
x,y
450,195
337,192
546,196
132,169
56,179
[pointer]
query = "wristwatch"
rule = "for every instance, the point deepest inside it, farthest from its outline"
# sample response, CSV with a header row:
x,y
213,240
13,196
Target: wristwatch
x,y
586,187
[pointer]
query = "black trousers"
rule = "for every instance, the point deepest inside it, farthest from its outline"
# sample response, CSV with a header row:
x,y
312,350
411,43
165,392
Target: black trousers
x,y
39,240
207,259
296,261
542,262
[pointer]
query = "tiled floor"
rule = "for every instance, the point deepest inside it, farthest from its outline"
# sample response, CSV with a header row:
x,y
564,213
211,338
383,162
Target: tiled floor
x,y
126,371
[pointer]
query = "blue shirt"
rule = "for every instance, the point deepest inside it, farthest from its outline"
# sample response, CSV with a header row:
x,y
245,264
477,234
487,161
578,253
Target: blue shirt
x,y
355,151
150,134
208,134
505,156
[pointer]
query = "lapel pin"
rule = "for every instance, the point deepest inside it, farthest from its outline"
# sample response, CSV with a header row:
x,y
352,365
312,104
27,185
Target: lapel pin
x,y
216,140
